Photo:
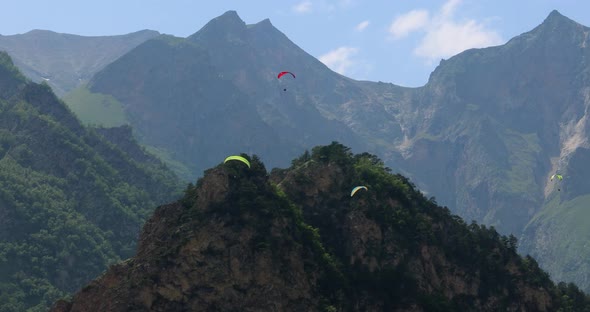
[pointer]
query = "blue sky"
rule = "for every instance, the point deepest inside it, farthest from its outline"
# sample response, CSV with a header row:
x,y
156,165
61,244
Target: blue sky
x,y
398,41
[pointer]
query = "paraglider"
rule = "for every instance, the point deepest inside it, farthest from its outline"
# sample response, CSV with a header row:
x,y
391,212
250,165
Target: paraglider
x,y
354,190
238,158
283,73
557,177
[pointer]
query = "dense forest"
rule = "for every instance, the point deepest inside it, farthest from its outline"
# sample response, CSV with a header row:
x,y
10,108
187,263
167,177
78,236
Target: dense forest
x,y
71,201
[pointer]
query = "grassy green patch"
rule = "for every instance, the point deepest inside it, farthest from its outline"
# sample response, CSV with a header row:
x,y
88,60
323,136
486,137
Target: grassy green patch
x,y
573,214
519,179
564,227
95,108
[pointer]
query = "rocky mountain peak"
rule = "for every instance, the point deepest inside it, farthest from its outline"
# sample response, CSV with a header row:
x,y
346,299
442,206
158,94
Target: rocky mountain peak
x,y
555,18
556,29
264,24
236,241
40,32
228,25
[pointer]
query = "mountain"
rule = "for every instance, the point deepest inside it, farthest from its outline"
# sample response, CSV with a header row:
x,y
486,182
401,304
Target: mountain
x,y
502,121
241,240
66,61
198,99
485,134
71,201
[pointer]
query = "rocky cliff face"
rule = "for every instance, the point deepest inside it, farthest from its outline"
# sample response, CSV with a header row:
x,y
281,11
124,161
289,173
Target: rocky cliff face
x,y
504,119
514,109
199,258
238,242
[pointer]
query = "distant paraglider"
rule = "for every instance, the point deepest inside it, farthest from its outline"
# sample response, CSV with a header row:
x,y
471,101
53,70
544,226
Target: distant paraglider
x,y
557,177
283,73
354,190
238,158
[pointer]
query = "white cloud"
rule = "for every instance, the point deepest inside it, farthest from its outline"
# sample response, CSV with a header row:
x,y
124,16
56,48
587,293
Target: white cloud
x,y
449,7
303,7
444,36
450,38
409,22
362,25
340,59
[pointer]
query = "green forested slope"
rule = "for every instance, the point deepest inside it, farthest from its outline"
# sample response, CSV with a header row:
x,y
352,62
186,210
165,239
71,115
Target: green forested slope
x,y
71,202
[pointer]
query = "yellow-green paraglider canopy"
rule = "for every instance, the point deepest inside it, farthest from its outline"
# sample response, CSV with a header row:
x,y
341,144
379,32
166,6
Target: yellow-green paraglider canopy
x,y
354,190
239,158
558,176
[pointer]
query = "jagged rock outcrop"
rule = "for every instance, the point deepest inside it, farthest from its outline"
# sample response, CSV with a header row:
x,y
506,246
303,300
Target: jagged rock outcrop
x,y
200,259
237,242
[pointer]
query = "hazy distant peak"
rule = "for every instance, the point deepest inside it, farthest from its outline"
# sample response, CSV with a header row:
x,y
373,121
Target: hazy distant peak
x,y
41,55
145,32
40,31
556,21
556,18
140,35
229,24
231,14
229,18
264,22
555,15
51,34
43,33
556,33
264,25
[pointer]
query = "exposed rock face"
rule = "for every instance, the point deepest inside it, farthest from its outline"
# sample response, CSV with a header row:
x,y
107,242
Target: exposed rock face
x,y
362,239
187,264
236,243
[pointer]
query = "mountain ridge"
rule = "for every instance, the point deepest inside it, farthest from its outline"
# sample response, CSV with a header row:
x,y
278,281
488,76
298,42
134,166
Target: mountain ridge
x,y
66,61
484,134
276,120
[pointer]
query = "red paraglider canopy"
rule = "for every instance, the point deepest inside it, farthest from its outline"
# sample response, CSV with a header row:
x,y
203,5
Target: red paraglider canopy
x,y
281,74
